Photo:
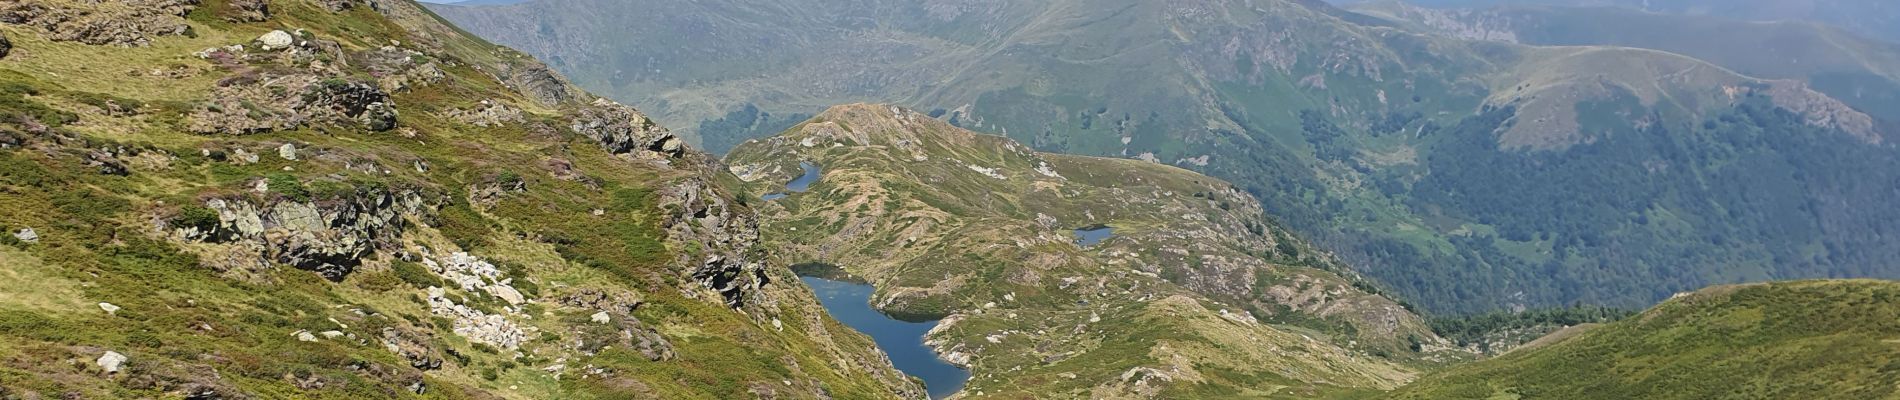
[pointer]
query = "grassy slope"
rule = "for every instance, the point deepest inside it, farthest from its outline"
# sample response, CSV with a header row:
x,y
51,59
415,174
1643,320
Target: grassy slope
x,y
902,204
187,327
1801,339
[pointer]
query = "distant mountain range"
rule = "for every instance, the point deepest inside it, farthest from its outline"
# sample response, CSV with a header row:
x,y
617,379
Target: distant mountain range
x,y
1871,18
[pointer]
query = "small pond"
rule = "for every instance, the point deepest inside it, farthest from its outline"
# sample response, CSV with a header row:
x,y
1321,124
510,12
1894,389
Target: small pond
x,y
799,185
1093,235
850,303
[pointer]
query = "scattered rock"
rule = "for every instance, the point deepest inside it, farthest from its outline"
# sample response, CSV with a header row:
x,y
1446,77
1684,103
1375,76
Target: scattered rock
x,y
474,275
6,45
491,114
602,317
478,326
27,235
110,308
288,151
111,361
305,336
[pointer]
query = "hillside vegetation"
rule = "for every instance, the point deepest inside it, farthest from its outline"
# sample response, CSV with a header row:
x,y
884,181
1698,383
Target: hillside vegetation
x,y
1785,340
346,199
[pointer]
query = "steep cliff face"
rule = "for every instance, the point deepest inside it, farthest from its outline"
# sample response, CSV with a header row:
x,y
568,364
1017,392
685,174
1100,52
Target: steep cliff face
x,y
979,229
342,199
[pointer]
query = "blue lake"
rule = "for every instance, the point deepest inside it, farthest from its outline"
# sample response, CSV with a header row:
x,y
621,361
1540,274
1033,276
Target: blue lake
x,y
799,185
850,303
1092,236
804,182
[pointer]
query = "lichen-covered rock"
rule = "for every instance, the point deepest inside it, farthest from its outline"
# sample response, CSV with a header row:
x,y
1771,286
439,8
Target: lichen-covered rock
x,y
329,237
536,81
489,114
623,130
101,22
111,361
276,40
612,329
413,346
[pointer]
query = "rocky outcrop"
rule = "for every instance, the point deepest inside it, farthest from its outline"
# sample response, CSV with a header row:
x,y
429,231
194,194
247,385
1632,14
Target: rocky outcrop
x,y
101,22
1820,110
536,81
730,262
282,102
413,346
246,11
623,130
330,237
